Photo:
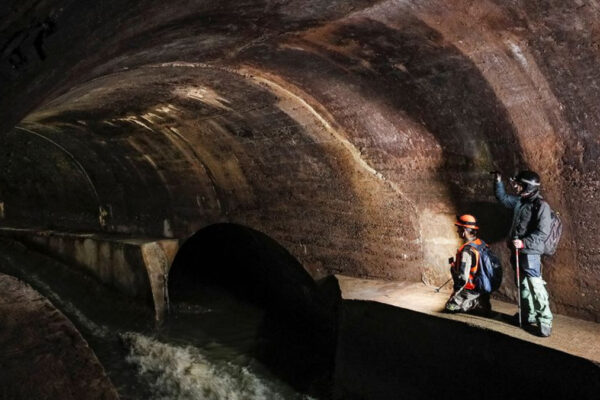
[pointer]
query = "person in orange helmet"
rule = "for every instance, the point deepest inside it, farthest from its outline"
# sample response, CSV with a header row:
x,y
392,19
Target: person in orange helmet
x,y
465,296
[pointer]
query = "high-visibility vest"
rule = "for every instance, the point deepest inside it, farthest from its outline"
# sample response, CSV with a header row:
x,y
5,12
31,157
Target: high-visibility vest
x,y
473,270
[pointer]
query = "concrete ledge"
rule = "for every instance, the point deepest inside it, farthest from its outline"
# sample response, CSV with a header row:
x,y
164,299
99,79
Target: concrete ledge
x,y
137,267
42,355
394,343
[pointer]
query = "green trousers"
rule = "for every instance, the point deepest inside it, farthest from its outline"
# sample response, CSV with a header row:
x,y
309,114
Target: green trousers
x,y
534,300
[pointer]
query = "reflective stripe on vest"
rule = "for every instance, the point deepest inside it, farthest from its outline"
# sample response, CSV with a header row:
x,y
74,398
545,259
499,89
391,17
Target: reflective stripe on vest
x,y
470,284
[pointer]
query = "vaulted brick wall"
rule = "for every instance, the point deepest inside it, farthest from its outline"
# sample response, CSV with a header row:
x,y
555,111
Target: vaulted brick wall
x,y
351,132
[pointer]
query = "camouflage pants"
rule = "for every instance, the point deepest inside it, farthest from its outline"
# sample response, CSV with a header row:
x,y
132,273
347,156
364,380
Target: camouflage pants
x,y
536,307
534,296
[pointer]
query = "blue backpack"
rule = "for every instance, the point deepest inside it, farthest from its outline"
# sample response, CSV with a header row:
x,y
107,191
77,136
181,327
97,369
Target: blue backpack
x,y
489,272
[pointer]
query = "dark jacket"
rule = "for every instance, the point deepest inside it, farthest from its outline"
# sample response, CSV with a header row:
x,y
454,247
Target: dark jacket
x,y
531,229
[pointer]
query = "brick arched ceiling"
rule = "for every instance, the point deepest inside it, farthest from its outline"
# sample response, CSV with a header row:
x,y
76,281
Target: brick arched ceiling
x,y
351,132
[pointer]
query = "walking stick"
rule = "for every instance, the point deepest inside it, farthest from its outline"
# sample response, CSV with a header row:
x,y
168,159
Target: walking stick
x,y
451,262
445,283
518,284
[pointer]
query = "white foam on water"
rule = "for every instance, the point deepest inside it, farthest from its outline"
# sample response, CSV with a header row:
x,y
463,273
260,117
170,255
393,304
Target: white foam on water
x,y
183,372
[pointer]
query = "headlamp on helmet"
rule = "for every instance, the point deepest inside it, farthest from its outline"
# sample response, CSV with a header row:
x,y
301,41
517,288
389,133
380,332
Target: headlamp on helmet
x,y
529,180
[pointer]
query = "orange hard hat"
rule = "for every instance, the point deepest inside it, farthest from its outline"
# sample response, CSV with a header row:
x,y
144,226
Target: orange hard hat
x,y
466,221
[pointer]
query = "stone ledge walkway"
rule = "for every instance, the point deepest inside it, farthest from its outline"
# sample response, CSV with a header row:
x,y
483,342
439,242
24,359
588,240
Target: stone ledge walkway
x,y
570,335
42,355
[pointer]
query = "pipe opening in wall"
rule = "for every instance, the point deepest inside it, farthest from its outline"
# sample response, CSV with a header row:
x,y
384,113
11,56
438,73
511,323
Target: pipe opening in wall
x,y
247,263
278,313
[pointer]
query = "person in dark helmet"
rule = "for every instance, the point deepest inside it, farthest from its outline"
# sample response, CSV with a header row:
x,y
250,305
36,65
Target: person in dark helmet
x,y
530,226
465,296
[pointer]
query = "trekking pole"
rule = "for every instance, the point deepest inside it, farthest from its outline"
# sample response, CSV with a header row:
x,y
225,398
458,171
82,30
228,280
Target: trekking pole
x,y
518,284
445,283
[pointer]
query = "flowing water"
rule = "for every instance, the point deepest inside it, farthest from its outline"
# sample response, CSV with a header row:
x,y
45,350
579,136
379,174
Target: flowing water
x,y
203,351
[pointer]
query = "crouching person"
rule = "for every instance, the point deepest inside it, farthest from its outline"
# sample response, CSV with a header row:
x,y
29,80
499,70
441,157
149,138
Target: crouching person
x,y
464,269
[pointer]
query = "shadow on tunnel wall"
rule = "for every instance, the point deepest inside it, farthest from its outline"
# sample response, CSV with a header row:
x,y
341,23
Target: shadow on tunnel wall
x,y
494,221
411,69
296,337
443,89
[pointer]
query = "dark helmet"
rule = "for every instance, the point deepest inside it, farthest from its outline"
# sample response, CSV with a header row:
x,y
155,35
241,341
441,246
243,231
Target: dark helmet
x,y
530,181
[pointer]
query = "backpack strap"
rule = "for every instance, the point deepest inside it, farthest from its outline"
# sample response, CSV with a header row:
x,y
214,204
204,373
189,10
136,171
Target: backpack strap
x,y
474,249
537,205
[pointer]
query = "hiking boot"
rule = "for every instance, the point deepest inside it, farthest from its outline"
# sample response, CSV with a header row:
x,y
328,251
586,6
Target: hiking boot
x,y
545,330
452,308
524,321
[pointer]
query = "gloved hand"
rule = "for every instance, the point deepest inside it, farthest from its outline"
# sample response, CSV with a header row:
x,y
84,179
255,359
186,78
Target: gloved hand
x,y
518,243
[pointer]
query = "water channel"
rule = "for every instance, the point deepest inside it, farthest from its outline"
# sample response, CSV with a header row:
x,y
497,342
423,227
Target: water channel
x,y
206,349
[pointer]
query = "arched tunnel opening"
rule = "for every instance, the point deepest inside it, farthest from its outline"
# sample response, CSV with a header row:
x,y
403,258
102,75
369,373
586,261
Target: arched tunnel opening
x,y
246,275
247,262
310,157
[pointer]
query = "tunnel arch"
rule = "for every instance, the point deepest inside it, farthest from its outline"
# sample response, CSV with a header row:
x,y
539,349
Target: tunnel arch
x,y
297,332
247,262
407,84
59,190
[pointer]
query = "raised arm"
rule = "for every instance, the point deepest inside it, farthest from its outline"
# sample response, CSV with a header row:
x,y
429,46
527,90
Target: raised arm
x,y
507,200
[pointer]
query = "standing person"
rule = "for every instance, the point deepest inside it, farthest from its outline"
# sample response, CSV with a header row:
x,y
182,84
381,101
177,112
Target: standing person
x,y
464,268
530,226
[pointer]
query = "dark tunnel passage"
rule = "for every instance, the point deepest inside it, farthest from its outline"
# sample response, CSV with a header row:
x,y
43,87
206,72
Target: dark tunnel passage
x,y
365,125
296,329
58,196
278,160
245,261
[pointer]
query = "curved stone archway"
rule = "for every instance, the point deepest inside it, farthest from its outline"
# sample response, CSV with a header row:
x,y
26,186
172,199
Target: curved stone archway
x,y
244,261
294,334
351,132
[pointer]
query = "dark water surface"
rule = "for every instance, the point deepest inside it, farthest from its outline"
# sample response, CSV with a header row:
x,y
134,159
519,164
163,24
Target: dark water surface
x,y
205,349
